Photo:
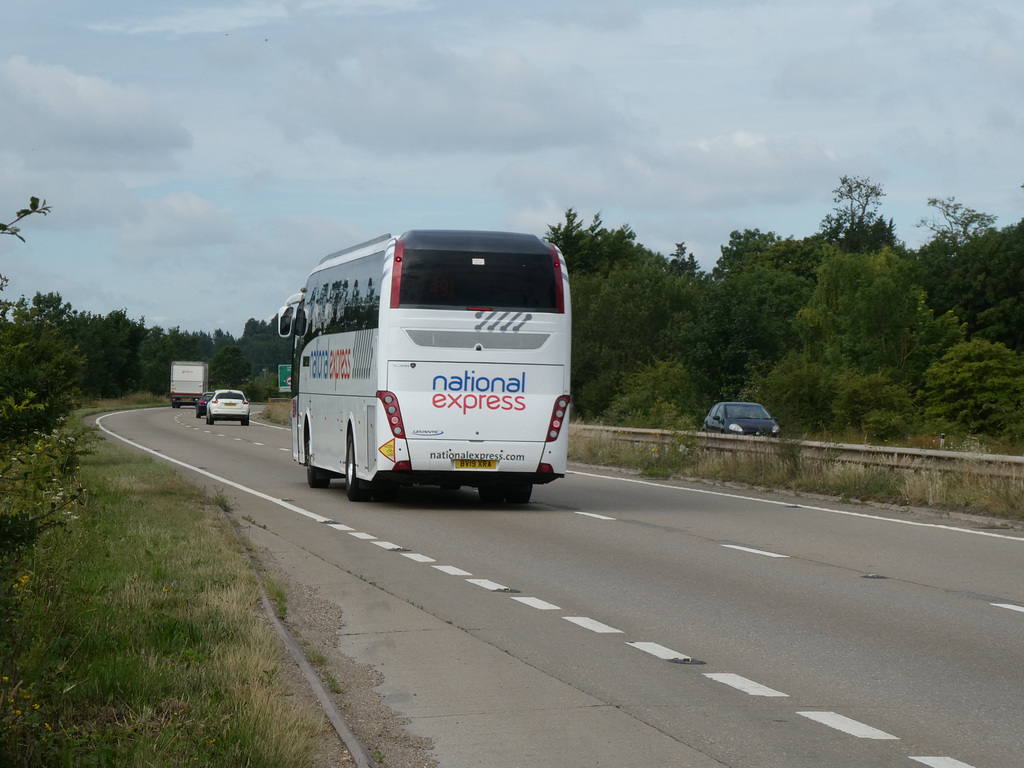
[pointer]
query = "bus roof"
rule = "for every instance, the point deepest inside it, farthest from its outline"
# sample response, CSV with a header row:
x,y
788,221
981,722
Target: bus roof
x,y
471,240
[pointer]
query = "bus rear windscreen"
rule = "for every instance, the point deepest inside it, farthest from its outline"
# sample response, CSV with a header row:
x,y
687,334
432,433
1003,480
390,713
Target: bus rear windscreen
x,y
474,280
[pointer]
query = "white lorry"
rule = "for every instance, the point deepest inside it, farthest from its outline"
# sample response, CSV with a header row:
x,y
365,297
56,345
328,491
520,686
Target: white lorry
x,y
188,382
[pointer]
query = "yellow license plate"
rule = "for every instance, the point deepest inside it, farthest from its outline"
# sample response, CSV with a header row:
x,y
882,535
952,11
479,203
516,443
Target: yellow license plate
x,y
476,464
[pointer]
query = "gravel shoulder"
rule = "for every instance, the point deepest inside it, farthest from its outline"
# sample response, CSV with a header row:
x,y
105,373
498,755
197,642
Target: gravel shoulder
x,y
316,624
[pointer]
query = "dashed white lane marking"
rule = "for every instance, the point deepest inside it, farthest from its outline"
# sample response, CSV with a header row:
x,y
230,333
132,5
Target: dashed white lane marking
x,y
661,652
493,586
387,545
340,527
754,551
594,515
418,557
743,684
361,535
593,626
451,570
536,602
940,762
1010,606
846,725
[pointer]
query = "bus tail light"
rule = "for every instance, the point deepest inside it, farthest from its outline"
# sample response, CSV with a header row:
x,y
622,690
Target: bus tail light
x,y
558,414
396,274
559,288
392,413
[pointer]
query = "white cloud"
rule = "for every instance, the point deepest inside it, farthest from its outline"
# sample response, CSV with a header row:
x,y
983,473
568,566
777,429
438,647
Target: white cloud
x,y
203,20
176,221
57,118
416,96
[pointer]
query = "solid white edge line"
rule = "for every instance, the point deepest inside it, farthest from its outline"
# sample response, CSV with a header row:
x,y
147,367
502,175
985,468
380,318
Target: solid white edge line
x,y
940,762
661,652
593,626
754,551
776,503
1009,606
536,602
846,725
743,684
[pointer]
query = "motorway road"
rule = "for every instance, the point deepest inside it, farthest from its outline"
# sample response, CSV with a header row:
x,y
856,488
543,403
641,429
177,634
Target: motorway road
x,y
619,621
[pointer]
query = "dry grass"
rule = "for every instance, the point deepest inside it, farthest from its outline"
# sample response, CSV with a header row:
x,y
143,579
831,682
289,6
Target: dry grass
x,y
278,412
781,466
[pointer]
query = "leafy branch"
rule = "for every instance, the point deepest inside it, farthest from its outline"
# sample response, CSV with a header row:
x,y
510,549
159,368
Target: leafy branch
x,y
35,205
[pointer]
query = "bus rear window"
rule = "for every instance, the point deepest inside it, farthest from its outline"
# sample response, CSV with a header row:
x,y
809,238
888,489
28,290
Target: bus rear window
x,y
478,280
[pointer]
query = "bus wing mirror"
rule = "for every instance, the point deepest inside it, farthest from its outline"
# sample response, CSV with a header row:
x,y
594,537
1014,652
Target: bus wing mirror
x,y
284,321
300,321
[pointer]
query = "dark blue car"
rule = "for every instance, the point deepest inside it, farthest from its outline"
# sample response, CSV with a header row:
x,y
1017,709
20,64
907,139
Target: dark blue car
x,y
740,419
201,404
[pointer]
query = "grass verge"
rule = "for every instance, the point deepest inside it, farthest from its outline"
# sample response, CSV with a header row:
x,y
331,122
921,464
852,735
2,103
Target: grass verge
x,y
134,636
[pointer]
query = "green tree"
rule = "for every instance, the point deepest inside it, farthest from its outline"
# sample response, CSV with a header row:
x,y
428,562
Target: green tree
x,y
799,391
111,346
683,263
976,387
868,315
619,323
39,371
874,404
229,368
855,225
958,223
742,250
981,281
659,395
744,324
262,347
597,250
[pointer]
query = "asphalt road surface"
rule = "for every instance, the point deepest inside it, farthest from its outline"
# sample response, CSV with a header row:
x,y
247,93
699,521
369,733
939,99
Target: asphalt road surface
x,y
619,621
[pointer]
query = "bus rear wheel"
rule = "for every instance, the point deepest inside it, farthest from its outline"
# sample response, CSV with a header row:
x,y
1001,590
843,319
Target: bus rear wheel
x,y
491,494
353,485
315,478
518,493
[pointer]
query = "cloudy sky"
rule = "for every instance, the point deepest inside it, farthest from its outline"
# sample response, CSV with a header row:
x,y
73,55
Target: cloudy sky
x,y
200,157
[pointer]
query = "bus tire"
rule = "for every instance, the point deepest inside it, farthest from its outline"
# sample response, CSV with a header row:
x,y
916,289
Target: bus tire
x,y
386,492
491,494
315,478
518,493
353,486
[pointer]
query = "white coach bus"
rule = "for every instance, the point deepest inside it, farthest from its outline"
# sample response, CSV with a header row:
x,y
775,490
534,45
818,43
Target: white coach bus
x,y
439,357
